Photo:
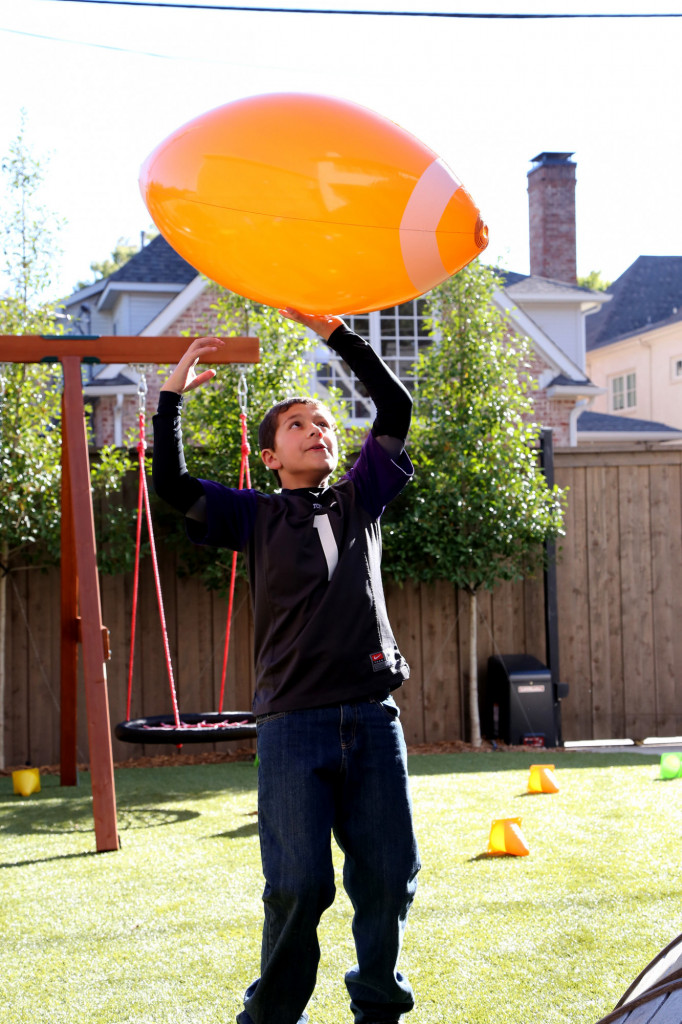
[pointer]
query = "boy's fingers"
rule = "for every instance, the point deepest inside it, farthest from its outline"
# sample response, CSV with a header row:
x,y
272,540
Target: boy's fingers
x,y
200,379
199,348
184,378
207,343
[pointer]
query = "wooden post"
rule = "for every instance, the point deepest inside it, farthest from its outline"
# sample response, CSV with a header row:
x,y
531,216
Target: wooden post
x,y
69,626
96,702
550,580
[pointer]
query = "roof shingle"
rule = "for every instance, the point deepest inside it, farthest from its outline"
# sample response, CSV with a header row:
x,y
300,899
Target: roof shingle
x,y
602,421
157,263
649,292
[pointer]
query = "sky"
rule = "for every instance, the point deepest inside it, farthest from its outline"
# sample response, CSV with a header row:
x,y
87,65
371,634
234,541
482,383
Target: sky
x,y
102,84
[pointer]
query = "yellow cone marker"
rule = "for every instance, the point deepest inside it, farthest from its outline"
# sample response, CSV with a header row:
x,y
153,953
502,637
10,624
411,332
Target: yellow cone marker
x,y
26,781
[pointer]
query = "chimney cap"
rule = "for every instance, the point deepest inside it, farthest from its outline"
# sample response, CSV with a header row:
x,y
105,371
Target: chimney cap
x,y
552,158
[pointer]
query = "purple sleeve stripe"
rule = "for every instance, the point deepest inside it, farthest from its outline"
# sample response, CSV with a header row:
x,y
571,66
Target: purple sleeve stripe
x,y
377,477
230,517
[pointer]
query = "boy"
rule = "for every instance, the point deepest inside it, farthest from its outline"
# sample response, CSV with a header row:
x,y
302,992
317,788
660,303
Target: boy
x,y
331,753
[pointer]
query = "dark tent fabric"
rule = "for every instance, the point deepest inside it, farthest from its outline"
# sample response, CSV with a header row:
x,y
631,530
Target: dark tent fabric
x,y
655,996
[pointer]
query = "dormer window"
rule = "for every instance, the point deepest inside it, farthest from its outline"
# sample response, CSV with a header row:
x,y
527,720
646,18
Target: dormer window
x,y
623,392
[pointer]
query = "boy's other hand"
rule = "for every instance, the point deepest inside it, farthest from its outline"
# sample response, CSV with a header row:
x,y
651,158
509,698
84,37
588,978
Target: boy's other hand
x,y
184,377
322,324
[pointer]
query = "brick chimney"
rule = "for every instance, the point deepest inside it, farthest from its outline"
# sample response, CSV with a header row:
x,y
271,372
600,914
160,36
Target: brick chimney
x,y
551,207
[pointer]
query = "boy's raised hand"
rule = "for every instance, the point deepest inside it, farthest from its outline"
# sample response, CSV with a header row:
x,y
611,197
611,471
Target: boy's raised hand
x,y
322,324
184,377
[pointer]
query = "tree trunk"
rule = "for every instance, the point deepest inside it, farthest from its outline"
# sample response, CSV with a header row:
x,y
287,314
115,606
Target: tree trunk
x,y
4,556
474,717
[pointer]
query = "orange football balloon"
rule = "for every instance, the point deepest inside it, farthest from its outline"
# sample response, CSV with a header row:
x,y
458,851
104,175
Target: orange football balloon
x,y
312,202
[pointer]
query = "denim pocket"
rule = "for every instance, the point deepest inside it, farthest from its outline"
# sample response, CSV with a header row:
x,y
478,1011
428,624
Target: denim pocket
x,y
272,717
388,706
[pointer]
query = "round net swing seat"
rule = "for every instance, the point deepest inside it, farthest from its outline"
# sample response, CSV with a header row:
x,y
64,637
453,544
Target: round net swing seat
x,y
211,727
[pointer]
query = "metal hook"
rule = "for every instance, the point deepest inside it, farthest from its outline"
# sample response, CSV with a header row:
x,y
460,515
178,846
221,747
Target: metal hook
x,y
142,392
3,389
242,393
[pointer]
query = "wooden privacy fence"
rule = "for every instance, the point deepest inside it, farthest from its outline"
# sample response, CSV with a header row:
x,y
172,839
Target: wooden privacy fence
x,y
620,593
619,610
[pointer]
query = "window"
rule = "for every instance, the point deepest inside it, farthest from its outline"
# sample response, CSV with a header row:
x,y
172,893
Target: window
x,y
623,392
677,368
398,334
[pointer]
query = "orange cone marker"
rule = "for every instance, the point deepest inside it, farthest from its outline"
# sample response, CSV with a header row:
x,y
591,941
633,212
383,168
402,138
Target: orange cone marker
x,y
542,779
506,838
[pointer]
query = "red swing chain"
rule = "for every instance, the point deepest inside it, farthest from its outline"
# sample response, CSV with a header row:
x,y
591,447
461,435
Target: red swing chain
x,y
143,501
242,393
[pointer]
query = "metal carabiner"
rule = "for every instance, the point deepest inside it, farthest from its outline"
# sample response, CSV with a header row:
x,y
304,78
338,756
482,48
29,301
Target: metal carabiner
x,y
142,392
242,393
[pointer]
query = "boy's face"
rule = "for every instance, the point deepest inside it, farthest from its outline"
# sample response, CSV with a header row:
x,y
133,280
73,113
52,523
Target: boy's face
x,y
305,452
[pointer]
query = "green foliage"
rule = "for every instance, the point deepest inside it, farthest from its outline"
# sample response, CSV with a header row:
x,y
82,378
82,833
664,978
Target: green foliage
x,y
18,318
30,399
28,232
30,406
30,475
116,512
30,453
595,281
211,420
479,509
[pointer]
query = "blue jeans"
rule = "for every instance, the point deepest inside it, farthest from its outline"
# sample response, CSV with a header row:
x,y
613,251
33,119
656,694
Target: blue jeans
x,y
341,770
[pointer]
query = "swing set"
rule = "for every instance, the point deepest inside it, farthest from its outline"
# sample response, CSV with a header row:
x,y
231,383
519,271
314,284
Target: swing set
x,y
81,609
208,727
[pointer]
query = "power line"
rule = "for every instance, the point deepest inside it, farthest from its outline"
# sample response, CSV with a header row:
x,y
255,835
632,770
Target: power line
x,y
99,46
489,16
201,59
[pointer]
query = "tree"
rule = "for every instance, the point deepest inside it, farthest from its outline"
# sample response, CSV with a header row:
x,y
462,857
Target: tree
x,y
30,402
595,281
29,243
119,256
30,436
479,510
211,420
29,457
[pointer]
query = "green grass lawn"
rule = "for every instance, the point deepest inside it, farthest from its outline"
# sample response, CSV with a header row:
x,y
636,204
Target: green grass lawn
x,y
167,930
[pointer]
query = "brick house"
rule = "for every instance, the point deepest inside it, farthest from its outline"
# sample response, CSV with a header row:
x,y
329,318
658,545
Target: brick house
x,y
574,317
634,345
157,292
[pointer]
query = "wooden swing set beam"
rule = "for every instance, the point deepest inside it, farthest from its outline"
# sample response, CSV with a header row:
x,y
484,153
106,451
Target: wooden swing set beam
x,y
163,350
81,609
